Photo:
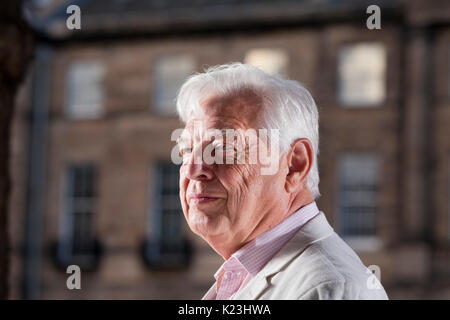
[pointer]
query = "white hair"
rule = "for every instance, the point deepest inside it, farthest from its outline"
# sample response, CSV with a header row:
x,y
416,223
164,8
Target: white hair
x,y
287,105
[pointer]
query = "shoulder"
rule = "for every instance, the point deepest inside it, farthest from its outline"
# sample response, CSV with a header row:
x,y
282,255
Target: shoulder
x,y
327,269
342,290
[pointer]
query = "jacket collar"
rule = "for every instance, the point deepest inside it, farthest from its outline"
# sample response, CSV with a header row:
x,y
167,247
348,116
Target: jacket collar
x,y
315,230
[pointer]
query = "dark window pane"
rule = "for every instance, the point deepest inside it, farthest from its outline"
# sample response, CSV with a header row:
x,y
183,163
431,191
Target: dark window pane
x,y
358,185
168,246
77,242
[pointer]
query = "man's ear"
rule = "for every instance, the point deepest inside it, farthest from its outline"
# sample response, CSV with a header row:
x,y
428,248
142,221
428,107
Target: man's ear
x,y
299,161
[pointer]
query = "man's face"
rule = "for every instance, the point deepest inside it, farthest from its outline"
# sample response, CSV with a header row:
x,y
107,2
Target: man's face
x,y
225,202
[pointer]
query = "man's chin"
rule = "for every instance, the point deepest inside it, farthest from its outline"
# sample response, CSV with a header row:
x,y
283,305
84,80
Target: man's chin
x,y
205,224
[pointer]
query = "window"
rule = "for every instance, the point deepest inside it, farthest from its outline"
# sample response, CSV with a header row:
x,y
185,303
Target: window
x,y
170,72
77,243
84,90
361,74
272,61
358,197
167,246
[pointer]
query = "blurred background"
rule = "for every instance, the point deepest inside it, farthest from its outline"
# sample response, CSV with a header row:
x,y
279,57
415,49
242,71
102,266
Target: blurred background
x,y
92,183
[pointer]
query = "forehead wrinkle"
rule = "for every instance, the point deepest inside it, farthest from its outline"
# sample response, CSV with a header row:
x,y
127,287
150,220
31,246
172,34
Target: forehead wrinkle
x,y
223,123
239,110
222,134
243,106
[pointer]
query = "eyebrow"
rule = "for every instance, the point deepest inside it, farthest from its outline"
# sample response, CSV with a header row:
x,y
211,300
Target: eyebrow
x,y
182,139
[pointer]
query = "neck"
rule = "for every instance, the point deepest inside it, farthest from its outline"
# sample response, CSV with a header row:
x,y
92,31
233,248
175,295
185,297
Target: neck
x,y
271,219
300,200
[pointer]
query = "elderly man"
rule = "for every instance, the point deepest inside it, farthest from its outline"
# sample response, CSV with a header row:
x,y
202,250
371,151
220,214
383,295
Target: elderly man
x,y
275,242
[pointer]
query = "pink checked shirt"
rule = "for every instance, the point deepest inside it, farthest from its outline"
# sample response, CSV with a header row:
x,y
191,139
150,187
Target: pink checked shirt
x,y
245,263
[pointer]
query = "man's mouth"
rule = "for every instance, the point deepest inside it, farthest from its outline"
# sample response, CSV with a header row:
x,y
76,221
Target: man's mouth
x,y
201,198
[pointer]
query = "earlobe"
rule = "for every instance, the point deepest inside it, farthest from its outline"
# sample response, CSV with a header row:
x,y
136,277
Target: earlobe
x,y
299,160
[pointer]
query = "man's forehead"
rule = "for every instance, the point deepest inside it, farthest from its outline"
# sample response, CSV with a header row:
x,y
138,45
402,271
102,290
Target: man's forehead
x,y
226,111
187,137
202,123
244,105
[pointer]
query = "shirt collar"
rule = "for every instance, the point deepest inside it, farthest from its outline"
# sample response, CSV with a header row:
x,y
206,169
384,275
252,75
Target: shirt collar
x,y
254,255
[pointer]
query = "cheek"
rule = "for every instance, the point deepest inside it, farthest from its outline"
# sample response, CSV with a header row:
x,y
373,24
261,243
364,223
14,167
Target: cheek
x,y
239,180
184,182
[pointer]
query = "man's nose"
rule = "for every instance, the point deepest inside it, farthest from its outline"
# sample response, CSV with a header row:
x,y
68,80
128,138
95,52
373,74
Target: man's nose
x,y
197,169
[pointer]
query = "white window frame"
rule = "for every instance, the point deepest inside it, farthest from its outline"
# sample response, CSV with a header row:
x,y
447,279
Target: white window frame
x,y
251,57
344,98
164,105
76,108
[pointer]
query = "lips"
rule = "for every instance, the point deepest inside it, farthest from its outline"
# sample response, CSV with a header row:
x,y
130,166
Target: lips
x,y
201,198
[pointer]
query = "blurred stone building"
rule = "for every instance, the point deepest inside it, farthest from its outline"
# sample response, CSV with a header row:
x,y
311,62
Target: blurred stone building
x,y
93,183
